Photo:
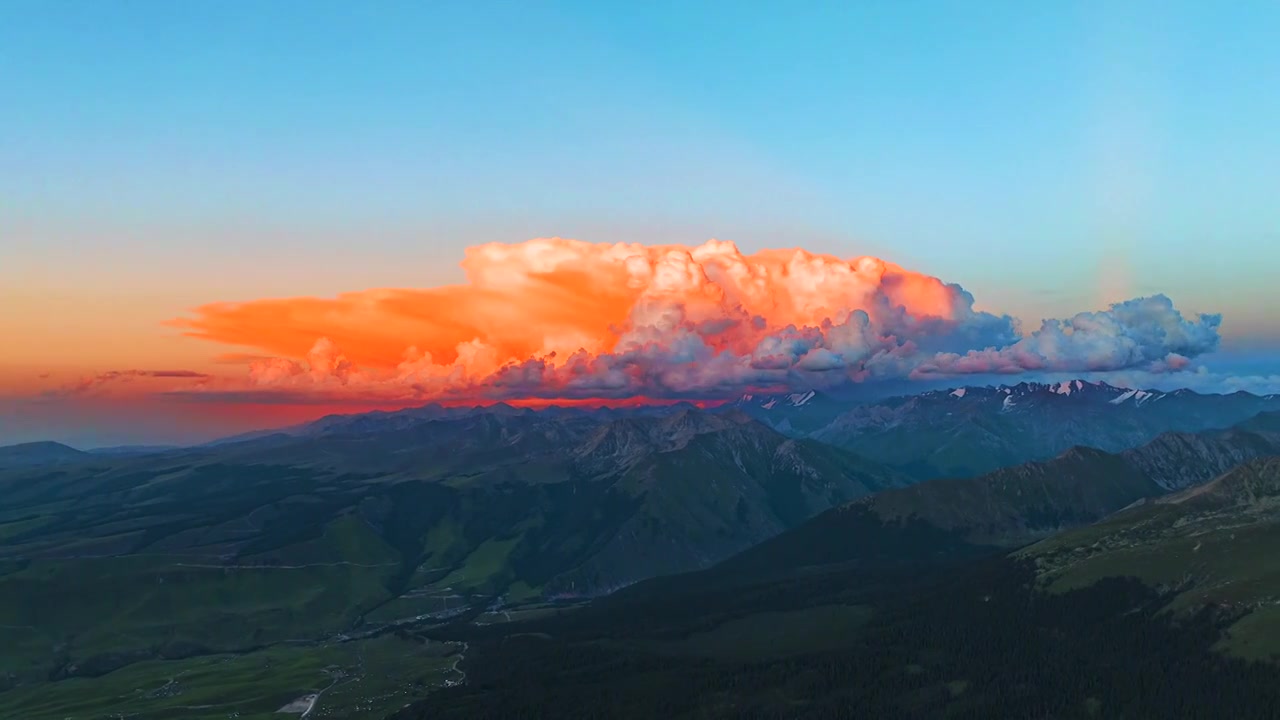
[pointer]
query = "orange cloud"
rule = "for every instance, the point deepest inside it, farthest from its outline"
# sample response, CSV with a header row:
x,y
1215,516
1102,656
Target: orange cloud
x,y
562,319
555,295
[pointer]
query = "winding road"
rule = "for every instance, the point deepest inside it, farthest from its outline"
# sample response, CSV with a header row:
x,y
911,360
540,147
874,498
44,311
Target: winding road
x,y
461,656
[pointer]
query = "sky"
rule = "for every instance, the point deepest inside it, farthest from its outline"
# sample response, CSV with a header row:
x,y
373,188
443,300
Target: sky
x,y
177,179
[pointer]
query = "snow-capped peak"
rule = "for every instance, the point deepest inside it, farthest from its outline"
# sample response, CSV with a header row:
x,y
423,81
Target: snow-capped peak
x,y
769,402
958,392
1128,394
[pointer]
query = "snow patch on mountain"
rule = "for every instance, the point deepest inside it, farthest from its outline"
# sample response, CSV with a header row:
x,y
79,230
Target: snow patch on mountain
x,y
1124,397
795,400
799,399
1065,391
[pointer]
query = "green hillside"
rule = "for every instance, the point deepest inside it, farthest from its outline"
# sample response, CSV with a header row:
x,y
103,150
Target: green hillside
x,y
1216,544
909,604
152,564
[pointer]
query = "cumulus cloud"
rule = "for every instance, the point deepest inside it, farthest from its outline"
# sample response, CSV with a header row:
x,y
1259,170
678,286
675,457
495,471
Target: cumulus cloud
x,y
561,319
1144,333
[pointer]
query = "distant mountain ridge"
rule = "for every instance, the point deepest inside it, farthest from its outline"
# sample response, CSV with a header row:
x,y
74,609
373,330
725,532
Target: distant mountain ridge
x,y
38,453
966,431
955,432
386,421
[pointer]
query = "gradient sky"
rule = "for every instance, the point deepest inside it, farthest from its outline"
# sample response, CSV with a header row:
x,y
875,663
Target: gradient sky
x,y
158,156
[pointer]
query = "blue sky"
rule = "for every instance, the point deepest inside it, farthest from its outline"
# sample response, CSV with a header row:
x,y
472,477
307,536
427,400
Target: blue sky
x,y
1061,139
1049,157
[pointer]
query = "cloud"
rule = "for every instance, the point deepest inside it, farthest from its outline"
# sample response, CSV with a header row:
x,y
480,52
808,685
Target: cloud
x,y
1200,379
91,383
554,319
1144,333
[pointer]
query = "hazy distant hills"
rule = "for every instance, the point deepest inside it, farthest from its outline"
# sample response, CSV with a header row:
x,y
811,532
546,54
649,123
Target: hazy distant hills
x,y
380,421
38,453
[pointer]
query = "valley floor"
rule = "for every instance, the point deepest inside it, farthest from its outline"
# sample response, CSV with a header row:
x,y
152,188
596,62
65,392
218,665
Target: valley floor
x,y
358,679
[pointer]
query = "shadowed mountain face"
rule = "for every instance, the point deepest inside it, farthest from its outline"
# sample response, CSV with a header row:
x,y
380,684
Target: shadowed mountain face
x,y
1016,505
906,604
968,431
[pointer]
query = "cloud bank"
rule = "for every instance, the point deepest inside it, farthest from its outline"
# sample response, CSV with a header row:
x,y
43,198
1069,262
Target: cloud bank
x,y
554,319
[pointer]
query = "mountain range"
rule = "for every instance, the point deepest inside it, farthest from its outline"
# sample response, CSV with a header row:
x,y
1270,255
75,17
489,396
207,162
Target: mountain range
x,y
230,543
722,533
1082,586
1003,509
966,431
